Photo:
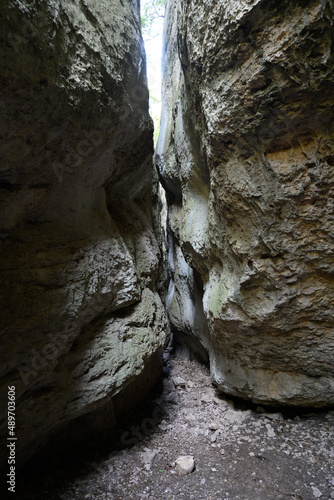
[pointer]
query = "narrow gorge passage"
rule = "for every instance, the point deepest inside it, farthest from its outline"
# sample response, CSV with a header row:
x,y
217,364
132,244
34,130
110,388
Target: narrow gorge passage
x,y
95,292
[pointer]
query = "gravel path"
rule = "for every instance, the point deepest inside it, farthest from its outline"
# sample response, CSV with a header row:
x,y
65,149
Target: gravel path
x,y
240,452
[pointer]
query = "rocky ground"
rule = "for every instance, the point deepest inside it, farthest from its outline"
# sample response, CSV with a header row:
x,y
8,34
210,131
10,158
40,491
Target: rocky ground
x,y
240,451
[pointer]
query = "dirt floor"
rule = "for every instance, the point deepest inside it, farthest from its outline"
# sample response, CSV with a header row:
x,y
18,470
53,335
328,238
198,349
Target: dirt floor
x,y
240,451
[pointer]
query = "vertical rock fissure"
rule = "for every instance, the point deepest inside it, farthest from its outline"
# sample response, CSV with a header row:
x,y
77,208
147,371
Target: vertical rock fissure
x,y
245,154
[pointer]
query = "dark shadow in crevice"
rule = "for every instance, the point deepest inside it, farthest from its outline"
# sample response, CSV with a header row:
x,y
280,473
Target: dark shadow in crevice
x,y
66,459
288,412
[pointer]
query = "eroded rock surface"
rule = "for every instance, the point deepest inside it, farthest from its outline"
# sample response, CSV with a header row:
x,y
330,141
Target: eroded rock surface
x,y
246,155
81,318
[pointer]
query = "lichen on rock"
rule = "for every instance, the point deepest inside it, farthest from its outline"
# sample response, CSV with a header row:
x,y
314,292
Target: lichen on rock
x,y
245,154
81,319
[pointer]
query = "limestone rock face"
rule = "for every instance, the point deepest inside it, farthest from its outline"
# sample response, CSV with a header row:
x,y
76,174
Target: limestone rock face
x,y
246,154
81,319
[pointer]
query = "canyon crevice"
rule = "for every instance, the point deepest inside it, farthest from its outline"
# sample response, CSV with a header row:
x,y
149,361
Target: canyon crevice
x,y
246,155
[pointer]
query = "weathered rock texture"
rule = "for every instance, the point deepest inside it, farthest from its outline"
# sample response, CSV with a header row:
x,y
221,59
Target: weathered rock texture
x,y
246,154
81,319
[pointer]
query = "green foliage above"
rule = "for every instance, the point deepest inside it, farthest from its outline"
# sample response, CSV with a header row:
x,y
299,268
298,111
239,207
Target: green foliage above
x,y
150,11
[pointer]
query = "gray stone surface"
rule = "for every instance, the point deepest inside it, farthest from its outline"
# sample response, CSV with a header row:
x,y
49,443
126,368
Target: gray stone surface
x,y
185,465
255,455
80,317
246,154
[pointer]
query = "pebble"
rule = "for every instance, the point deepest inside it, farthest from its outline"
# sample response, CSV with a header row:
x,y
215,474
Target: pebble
x,y
274,416
148,456
163,426
179,382
213,426
270,431
185,465
316,492
222,403
206,398
214,436
234,416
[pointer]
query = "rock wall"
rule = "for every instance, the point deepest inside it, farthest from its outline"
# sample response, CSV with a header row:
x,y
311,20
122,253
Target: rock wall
x,y
82,324
246,155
